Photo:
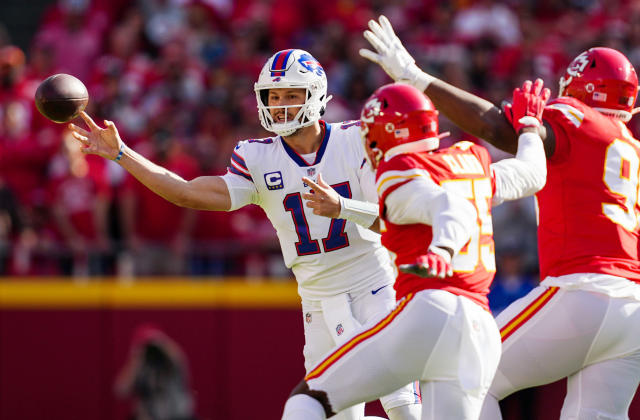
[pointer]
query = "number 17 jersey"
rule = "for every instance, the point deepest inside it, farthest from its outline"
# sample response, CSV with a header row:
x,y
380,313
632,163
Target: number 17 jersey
x,y
327,256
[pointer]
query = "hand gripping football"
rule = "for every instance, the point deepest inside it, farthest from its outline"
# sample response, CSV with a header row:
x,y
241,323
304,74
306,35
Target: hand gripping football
x,y
61,97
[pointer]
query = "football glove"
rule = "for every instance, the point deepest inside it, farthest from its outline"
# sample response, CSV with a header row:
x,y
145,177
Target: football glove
x,y
527,105
436,263
391,55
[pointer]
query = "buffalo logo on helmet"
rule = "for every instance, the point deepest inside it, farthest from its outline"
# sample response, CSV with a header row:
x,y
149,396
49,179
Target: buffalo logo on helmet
x,y
311,64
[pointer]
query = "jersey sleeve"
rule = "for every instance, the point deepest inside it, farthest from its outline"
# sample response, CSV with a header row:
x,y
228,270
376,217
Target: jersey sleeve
x,y
523,175
368,182
365,172
410,196
238,178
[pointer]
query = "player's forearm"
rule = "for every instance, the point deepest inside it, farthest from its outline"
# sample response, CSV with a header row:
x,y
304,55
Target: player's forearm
x,y
200,193
473,114
523,175
452,217
161,181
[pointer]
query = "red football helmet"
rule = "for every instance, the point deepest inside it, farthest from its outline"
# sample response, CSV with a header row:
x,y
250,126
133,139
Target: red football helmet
x,y
604,79
395,115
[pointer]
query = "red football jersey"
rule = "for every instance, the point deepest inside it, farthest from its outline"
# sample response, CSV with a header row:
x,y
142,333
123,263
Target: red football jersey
x,y
463,169
588,209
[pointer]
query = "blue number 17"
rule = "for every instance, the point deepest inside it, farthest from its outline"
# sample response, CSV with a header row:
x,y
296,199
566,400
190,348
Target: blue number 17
x,y
337,237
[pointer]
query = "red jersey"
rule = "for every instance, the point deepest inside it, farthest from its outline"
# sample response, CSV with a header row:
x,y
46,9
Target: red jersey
x,y
588,209
462,169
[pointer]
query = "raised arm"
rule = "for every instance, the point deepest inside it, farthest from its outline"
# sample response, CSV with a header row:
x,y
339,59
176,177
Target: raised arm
x,y
202,193
526,173
470,112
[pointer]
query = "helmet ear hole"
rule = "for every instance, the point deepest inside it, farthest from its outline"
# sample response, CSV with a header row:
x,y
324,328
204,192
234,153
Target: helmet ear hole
x,y
264,96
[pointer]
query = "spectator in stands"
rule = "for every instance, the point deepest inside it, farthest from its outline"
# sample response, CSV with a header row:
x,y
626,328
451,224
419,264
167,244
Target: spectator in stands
x,y
157,233
80,196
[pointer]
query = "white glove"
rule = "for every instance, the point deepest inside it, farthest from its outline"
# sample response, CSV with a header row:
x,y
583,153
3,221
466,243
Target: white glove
x,y
392,56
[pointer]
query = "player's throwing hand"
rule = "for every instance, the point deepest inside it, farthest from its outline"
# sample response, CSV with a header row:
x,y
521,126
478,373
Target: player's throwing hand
x,y
323,199
100,141
430,265
527,105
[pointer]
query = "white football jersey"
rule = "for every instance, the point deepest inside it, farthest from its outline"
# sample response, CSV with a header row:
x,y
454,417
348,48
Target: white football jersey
x,y
327,256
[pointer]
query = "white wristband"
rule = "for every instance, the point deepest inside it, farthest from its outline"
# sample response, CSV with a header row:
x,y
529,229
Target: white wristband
x,y
422,80
529,121
360,212
442,252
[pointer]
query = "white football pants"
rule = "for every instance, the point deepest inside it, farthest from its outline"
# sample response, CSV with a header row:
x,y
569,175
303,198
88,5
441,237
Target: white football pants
x,y
447,342
591,338
327,324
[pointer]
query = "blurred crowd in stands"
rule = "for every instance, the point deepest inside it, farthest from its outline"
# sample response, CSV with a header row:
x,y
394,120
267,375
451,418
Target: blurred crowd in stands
x,y
177,78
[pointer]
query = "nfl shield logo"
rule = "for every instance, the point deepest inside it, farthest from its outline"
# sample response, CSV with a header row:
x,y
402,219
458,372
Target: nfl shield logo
x,y
311,171
339,329
307,317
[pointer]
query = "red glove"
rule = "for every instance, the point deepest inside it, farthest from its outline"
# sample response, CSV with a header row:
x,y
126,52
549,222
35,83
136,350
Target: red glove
x,y
430,265
527,105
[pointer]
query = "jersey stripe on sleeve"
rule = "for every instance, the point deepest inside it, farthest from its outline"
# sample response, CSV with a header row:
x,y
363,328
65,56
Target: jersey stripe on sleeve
x,y
572,114
239,167
391,178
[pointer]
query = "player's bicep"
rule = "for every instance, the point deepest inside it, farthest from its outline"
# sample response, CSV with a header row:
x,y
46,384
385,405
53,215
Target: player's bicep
x,y
548,139
208,193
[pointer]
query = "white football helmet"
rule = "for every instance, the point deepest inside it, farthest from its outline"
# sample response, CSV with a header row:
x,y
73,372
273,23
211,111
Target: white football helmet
x,y
292,69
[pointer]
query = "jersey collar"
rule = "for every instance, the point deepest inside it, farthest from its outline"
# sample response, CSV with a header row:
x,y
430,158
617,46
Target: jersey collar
x,y
326,128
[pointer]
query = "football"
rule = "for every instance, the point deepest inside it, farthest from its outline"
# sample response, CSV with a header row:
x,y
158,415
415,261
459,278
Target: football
x,y
61,97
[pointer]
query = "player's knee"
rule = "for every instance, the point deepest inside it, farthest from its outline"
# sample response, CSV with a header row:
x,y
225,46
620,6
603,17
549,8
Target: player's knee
x,y
320,396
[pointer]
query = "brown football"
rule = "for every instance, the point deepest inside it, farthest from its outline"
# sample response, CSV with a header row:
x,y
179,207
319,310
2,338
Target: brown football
x,y
61,97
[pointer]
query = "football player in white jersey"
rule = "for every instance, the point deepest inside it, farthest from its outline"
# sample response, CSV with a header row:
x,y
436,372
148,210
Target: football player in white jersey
x,y
344,274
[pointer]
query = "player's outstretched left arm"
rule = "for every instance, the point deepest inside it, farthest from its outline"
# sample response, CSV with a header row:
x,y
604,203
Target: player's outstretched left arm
x,y
203,193
325,201
470,112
